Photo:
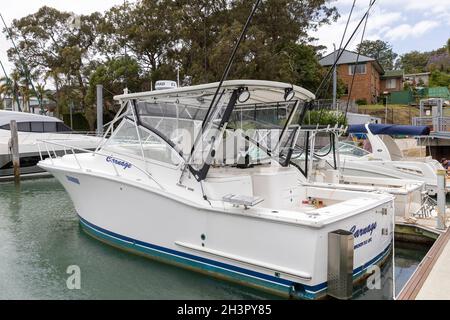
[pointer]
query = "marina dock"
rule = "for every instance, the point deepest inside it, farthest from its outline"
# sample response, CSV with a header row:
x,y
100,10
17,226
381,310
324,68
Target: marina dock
x,y
431,280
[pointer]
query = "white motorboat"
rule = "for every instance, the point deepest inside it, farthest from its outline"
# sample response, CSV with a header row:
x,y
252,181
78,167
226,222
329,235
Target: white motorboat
x,y
170,184
32,128
322,169
385,159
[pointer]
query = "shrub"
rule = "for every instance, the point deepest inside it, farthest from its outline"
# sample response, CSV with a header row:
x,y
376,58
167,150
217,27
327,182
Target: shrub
x,y
361,102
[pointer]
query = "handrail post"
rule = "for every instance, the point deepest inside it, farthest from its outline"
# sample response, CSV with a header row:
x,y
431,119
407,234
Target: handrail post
x,y
40,151
48,152
76,158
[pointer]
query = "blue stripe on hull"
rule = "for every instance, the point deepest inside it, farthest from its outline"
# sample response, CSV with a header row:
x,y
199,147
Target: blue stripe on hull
x,y
219,269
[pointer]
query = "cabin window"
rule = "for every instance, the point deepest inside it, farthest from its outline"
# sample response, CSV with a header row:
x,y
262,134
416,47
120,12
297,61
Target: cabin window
x,y
357,69
24,127
61,127
49,126
127,141
37,127
352,149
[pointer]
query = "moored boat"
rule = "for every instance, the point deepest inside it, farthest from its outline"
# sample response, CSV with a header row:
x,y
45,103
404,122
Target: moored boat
x,y
174,183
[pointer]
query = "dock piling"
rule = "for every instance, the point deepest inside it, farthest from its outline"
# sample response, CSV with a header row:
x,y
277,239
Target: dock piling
x,y
99,109
441,201
14,147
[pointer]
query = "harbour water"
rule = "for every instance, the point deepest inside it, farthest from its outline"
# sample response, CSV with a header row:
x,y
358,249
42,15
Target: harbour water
x,y
40,238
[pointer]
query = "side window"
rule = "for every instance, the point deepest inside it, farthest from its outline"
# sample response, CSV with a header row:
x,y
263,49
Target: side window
x,y
37,127
23,126
49,126
61,127
5,127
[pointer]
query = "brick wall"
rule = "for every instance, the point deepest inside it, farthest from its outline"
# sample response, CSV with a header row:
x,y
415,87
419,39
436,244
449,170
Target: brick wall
x,y
398,85
366,86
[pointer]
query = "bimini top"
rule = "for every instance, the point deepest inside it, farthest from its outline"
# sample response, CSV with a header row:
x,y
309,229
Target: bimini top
x,y
7,116
390,129
260,92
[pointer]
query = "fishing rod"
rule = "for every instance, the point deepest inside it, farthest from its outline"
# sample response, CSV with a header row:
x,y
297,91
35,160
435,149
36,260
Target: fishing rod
x,y
342,51
356,64
24,66
339,50
230,61
222,80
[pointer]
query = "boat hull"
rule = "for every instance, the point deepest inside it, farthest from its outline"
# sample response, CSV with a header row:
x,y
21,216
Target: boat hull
x,y
286,259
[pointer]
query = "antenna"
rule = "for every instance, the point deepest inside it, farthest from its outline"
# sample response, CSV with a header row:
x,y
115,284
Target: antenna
x,y
24,66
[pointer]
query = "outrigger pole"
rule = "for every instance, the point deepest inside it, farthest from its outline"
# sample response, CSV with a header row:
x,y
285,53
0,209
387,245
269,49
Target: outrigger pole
x,y
224,77
230,61
24,66
346,45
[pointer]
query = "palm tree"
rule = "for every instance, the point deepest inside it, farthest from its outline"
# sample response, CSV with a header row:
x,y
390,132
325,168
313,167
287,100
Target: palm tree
x,y
9,88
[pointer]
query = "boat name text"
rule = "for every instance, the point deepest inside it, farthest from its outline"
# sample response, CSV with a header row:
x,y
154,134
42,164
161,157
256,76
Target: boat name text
x,y
124,164
360,232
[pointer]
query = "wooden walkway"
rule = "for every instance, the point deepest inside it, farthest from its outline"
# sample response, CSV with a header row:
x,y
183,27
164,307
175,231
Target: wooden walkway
x,y
432,277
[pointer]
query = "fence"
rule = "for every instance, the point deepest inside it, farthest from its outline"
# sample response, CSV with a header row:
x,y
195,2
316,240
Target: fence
x,y
327,104
436,124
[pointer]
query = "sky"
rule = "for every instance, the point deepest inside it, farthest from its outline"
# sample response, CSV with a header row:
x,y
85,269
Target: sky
x,y
406,24
20,8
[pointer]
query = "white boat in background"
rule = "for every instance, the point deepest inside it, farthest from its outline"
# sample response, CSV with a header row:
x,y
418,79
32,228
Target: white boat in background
x,y
321,168
170,184
385,159
31,129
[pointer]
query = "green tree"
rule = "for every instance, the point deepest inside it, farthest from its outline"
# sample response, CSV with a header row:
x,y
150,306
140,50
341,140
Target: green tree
x,y
115,75
414,62
439,79
380,50
58,44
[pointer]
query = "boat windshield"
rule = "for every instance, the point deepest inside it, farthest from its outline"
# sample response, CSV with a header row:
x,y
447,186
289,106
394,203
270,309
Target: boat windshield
x,y
349,148
179,121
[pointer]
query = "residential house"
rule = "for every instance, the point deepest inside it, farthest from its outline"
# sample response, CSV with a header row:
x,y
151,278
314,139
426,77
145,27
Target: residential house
x,y
392,81
418,79
365,72
8,103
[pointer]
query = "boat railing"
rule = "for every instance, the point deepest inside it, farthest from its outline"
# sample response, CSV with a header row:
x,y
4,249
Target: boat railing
x,y
52,154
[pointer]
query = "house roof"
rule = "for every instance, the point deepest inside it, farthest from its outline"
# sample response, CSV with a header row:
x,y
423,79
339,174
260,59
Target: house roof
x,y
348,57
418,74
393,74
